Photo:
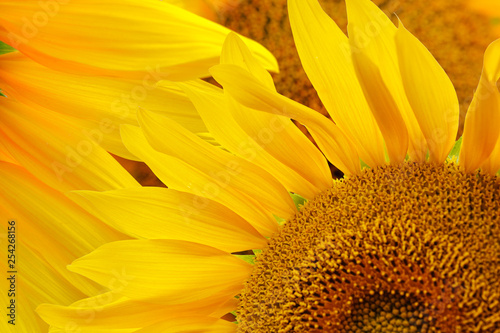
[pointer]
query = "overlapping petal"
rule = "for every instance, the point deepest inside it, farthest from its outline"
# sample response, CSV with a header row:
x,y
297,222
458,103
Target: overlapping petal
x,y
192,324
247,90
156,213
373,50
59,150
249,179
93,37
430,93
104,103
270,141
166,271
31,290
325,54
481,131
179,175
51,225
111,313
51,232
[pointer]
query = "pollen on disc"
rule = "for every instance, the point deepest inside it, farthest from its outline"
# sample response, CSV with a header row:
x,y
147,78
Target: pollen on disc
x,y
455,35
407,248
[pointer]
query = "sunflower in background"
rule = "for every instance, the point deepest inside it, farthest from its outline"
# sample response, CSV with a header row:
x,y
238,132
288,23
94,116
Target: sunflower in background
x,y
408,240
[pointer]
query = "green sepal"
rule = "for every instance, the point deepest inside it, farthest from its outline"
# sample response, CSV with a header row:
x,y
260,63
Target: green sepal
x,y
363,165
455,151
280,220
4,48
249,258
298,200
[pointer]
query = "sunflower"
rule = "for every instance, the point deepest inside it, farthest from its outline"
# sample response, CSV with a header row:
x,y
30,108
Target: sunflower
x,y
407,241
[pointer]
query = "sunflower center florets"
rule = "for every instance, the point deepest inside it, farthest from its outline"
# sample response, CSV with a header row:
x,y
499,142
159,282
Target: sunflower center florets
x,y
386,313
409,248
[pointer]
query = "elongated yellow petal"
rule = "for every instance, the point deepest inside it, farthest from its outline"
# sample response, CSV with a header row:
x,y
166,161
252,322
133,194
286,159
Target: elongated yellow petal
x,y
51,231
325,54
234,51
228,170
430,93
58,150
371,37
179,175
283,140
192,324
481,131
5,156
166,271
270,141
165,213
124,38
50,224
35,282
104,102
248,91
202,8
384,108
492,164
109,312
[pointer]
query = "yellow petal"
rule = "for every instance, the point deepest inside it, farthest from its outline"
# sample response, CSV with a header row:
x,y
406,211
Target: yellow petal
x,y
371,36
124,38
192,325
384,108
35,283
235,52
109,313
5,156
179,175
276,135
481,130
492,164
430,93
332,141
172,139
165,271
54,227
156,213
270,141
325,54
200,7
51,231
59,150
104,102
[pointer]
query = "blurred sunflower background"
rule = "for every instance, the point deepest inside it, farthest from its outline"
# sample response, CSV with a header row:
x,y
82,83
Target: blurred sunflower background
x,y
407,240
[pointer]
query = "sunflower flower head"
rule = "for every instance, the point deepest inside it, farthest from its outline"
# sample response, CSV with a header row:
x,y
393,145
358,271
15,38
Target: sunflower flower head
x,y
407,241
